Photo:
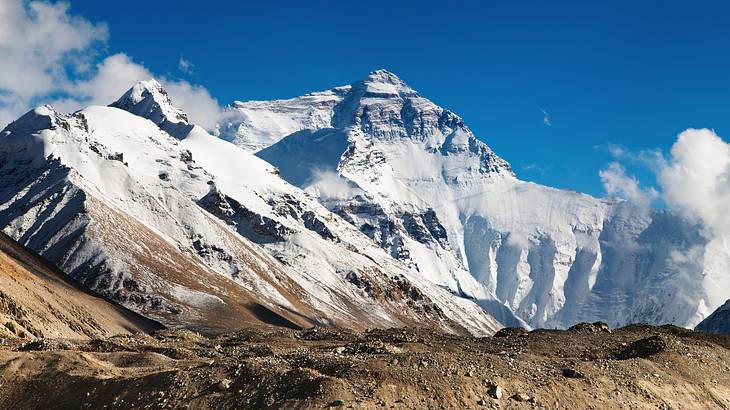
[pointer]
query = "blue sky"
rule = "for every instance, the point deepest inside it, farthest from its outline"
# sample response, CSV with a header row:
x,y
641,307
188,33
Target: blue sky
x,y
632,73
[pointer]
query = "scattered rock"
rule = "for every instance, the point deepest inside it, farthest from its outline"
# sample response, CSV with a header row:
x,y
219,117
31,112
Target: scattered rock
x,y
337,403
224,384
511,331
186,156
240,372
521,397
572,373
375,346
496,392
643,348
595,327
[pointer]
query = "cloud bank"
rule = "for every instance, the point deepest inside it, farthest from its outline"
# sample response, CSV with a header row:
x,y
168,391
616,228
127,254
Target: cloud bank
x,y
696,179
49,56
617,183
693,179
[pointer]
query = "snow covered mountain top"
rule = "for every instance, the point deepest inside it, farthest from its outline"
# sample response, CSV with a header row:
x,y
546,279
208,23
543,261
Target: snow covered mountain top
x,y
380,106
148,99
383,83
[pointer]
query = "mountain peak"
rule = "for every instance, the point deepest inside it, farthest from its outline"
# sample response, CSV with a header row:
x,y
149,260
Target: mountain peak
x,y
383,83
39,118
148,99
383,75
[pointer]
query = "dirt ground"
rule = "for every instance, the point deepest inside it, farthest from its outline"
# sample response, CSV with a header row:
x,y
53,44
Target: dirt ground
x,y
587,367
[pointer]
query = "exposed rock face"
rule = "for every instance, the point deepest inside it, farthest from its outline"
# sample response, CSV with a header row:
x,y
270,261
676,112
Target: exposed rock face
x,y
259,228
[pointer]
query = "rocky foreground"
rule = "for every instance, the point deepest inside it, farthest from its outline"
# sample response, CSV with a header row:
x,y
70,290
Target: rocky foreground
x,y
588,366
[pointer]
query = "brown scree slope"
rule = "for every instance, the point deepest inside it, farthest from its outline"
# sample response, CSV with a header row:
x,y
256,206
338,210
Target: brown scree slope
x,y
37,300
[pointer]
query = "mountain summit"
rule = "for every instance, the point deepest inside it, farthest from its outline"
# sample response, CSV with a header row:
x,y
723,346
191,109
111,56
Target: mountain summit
x,y
385,84
148,99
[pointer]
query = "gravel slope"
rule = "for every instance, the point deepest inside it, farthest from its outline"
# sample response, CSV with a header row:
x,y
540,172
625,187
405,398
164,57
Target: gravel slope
x,y
37,300
589,366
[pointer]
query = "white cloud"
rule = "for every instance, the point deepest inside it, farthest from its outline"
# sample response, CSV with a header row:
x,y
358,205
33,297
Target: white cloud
x,y
649,158
546,118
616,151
39,44
111,78
49,56
330,185
196,101
696,179
186,66
617,183
535,167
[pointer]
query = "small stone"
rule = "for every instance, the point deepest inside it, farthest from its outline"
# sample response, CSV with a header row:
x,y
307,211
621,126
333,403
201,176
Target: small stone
x,y
496,392
521,397
572,373
224,384
340,350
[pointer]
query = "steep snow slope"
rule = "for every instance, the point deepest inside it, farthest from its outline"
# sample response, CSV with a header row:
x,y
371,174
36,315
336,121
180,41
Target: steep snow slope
x,y
258,124
37,300
196,232
717,322
414,178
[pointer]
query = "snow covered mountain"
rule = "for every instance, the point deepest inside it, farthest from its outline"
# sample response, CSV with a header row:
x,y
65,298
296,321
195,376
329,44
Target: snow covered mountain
x,y
718,322
192,231
413,177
